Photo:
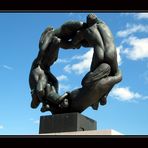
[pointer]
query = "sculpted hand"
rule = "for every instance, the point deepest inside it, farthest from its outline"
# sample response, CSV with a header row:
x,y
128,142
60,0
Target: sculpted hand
x,y
56,40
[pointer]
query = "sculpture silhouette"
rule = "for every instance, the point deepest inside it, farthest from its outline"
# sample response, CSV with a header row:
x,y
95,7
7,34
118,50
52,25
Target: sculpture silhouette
x,y
96,84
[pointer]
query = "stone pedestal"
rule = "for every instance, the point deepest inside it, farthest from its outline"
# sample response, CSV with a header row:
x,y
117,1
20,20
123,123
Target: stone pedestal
x,y
67,122
106,132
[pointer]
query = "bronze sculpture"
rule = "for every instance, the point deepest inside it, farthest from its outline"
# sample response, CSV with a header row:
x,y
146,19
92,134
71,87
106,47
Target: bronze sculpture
x,y
96,84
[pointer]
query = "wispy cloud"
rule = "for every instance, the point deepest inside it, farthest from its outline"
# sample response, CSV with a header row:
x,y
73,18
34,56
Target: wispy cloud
x,y
119,48
141,15
130,29
63,61
68,68
64,87
82,66
1,126
136,15
6,67
62,77
124,94
138,48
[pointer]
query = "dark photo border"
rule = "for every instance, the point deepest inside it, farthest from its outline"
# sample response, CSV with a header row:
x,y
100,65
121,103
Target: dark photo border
x,y
73,5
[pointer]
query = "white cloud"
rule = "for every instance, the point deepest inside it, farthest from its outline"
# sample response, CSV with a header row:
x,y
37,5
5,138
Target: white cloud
x,y
67,68
141,15
1,126
77,57
63,87
85,61
7,67
124,94
119,48
62,77
83,65
138,49
137,15
62,61
130,29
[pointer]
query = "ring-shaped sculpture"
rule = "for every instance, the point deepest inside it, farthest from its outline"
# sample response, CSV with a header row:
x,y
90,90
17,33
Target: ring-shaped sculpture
x,y
96,84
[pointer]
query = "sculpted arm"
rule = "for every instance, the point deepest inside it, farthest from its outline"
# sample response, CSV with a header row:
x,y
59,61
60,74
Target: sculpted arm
x,y
45,40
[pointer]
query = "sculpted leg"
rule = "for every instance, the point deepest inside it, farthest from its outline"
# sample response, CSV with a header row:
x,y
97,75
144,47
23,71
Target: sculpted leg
x,y
37,86
98,57
95,85
91,90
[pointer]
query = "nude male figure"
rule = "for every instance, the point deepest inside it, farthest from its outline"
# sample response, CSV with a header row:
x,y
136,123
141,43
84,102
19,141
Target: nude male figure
x,y
96,34
43,83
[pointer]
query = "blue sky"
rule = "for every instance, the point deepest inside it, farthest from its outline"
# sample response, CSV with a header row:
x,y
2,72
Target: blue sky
x,y
127,107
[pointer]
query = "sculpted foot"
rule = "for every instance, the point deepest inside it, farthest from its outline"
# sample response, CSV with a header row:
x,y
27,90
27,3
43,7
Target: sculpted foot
x,y
103,100
45,108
